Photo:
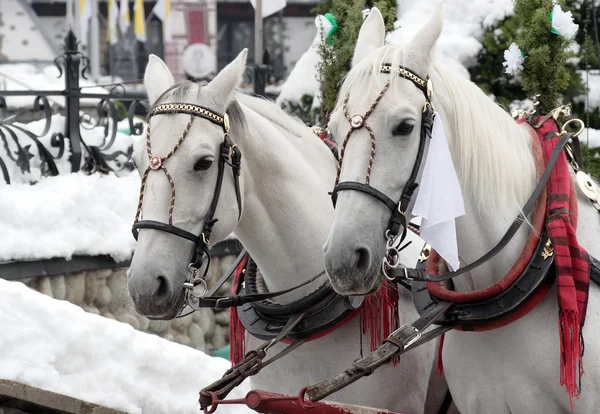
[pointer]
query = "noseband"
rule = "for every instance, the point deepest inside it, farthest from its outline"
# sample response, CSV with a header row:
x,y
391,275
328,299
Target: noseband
x,y
397,220
229,154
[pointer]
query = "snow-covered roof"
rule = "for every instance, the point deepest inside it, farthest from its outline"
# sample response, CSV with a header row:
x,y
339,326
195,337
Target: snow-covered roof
x,y
57,346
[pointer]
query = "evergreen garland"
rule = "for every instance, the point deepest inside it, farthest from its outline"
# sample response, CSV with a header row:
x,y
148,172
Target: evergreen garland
x,y
336,57
545,71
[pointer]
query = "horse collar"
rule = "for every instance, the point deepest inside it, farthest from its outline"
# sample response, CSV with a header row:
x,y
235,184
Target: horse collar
x,y
326,311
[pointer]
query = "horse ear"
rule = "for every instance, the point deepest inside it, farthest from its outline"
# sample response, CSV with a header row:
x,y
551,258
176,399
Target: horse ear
x,y
371,35
157,78
221,88
424,41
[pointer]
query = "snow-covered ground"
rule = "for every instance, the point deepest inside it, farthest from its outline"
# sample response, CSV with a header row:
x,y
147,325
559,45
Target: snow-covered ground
x,y
56,346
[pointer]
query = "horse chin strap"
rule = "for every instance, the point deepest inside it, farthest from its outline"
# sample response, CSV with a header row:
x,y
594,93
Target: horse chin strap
x,y
397,222
229,154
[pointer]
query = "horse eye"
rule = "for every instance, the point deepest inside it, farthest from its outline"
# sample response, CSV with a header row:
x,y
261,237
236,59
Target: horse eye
x,y
404,128
203,164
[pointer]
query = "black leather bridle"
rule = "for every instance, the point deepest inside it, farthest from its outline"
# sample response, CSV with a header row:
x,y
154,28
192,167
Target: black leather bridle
x,y
229,154
397,220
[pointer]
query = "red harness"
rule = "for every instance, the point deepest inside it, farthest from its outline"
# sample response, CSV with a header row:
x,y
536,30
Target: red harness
x,y
556,213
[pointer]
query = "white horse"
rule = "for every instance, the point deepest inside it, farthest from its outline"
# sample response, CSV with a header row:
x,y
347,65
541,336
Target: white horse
x,y
513,369
285,217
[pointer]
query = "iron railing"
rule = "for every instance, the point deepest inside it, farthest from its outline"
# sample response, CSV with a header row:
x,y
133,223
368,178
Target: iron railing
x,y
72,66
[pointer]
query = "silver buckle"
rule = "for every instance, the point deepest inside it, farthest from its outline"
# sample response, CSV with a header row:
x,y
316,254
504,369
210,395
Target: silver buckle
x,y
416,335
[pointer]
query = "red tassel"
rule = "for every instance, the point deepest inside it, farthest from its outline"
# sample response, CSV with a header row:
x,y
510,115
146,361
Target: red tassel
x,y
571,367
440,363
380,315
237,340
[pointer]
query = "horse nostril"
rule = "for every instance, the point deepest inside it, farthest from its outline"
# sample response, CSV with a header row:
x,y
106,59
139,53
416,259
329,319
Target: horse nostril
x,y
163,288
363,258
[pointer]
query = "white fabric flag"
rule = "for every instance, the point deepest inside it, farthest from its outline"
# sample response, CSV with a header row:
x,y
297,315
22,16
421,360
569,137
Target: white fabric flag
x,y
439,200
270,6
113,22
162,10
139,21
85,13
124,19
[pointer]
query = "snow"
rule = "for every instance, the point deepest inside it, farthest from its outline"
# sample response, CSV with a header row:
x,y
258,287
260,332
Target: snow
x,y
465,23
57,346
66,215
590,137
26,76
302,79
594,86
90,135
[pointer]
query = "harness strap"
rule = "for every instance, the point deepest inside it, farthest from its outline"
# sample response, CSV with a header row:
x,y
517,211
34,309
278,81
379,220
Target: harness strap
x,y
249,366
420,275
404,338
223,302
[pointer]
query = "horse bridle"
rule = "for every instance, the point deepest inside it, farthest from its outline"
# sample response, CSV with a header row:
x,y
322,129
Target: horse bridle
x,y
397,220
229,154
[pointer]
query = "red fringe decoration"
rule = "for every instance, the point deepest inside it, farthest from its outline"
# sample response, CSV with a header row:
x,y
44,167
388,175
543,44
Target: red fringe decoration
x,y
571,367
440,363
379,311
380,315
237,340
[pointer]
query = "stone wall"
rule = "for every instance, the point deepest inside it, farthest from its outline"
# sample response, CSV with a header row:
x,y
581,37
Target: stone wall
x,y
104,292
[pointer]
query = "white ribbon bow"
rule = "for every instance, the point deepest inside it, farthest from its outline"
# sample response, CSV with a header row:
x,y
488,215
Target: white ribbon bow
x,y
439,200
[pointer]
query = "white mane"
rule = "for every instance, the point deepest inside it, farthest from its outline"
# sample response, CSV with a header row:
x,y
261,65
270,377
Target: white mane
x,y
485,142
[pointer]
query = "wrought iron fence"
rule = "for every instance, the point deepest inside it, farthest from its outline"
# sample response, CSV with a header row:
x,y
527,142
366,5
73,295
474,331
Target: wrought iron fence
x,y
72,66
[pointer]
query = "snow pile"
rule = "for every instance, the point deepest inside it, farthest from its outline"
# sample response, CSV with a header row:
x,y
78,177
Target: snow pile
x,y
465,23
71,214
302,79
56,346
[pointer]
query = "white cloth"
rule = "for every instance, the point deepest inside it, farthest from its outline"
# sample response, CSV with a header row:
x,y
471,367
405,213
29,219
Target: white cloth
x,y
439,200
